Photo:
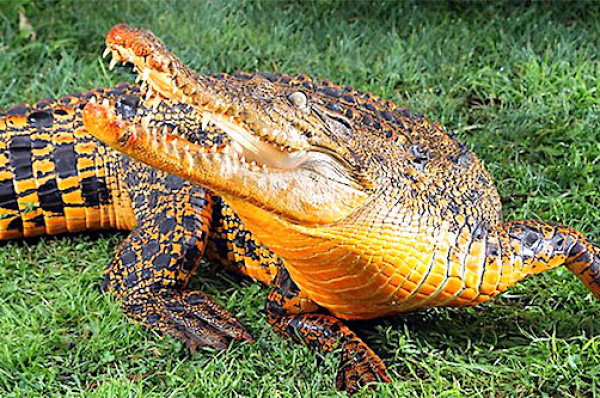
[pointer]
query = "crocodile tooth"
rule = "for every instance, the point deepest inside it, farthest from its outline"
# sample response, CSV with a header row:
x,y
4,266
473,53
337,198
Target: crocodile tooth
x,y
175,151
243,159
137,78
93,99
106,52
189,157
149,93
176,132
112,64
163,140
144,85
205,119
253,163
146,74
105,103
213,149
146,121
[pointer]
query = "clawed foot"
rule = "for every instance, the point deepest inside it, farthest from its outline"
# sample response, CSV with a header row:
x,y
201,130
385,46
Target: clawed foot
x,y
360,367
190,316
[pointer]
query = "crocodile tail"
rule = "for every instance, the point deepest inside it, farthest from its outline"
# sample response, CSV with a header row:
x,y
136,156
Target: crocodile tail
x,y
54,177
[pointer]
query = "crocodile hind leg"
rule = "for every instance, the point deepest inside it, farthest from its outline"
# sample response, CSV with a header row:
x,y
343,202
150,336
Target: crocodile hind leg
x,y
292,315
528,247
153,265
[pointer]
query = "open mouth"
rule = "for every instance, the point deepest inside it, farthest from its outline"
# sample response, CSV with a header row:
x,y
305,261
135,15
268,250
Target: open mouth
x,y
164,77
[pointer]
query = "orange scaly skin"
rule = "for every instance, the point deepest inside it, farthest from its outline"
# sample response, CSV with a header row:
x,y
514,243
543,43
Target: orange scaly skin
x,y
373,210
55,178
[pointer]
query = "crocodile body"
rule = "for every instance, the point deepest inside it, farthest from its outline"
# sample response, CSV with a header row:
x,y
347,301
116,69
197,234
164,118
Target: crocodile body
x,y
373,210
56,178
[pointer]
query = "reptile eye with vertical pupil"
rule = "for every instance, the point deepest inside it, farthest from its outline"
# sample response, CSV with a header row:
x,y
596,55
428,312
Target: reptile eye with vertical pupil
x,y
299,99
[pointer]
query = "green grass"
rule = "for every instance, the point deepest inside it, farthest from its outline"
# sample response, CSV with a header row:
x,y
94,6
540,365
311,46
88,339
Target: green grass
x,y
517,82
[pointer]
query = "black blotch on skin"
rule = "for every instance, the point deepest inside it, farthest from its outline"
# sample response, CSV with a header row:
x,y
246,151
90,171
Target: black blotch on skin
x,y
20,157
8,196
167,225
16,223
50,198
162,261
65,160
41,119
128,258
174,183
126,107
95,191
38,220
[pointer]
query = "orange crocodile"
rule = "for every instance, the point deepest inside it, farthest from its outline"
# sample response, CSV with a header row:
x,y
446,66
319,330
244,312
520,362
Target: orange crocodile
x,y
373,210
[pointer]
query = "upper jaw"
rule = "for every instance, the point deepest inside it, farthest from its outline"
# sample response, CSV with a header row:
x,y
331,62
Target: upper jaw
x,y
164,76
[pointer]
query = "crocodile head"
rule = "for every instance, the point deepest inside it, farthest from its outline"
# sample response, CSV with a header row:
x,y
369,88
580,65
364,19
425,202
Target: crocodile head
x,y
301,150
302,161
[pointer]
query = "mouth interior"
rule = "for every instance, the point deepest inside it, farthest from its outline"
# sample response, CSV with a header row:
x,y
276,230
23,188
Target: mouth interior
x,y
246,147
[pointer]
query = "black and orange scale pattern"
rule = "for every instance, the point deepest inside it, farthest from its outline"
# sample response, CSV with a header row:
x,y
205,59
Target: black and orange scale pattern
x,y
56,178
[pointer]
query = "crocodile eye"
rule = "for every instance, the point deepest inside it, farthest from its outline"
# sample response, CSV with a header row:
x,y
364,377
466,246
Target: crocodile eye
x,y
299,99
530,239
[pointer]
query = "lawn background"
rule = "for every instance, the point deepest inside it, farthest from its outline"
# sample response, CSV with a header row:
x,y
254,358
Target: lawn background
x,y
517,82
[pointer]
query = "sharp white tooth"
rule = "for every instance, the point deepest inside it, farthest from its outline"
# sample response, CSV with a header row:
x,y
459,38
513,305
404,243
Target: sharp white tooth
x,y
133,132
163,140
146,121
154,132
175,151
93,99
189,158
149,93
264,167
213,149
205,119
165,130
146,74
106,52
138,78
243,159
176,132
253,163
174,89
144,85
105,103
112,64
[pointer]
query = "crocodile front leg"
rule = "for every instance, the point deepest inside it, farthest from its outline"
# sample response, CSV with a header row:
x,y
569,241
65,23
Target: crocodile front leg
x,y
292,315
154,264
